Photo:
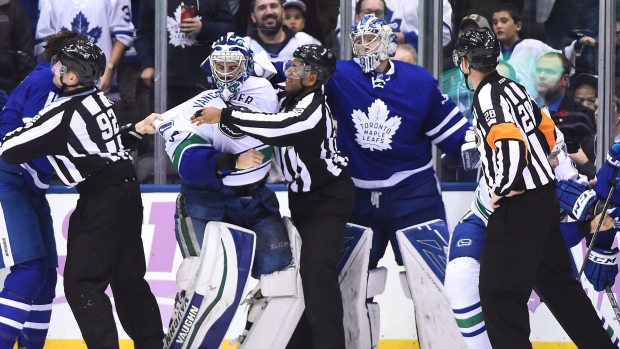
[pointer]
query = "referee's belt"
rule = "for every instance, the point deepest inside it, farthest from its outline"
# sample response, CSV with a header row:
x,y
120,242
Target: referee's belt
x,y
241,190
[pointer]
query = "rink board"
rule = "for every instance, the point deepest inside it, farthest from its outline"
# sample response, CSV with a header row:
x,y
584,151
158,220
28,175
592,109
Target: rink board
x,y
163,258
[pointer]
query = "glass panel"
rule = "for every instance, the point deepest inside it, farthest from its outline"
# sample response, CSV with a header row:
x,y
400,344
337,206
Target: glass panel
x,y
533,39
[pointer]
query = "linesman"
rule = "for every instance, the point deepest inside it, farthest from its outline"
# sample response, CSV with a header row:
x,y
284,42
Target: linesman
x,y
524,248
321,191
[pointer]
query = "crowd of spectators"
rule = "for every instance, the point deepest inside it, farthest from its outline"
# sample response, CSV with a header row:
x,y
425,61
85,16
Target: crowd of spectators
x,y
125,29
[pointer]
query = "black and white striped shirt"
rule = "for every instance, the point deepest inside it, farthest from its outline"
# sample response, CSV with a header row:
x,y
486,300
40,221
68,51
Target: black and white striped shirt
x,y
78,133
513,136
304,136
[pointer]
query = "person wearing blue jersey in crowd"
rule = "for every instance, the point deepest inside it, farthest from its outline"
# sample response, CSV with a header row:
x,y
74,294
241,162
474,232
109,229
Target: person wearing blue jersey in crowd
x,y
30,248
390,114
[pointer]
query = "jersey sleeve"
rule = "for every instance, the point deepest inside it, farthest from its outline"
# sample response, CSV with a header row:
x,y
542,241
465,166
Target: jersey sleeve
x,y
280,129
44,135
45,25
193,156
446,125
121,26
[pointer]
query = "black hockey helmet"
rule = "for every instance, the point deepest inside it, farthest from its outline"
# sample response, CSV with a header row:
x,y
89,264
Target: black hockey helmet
x,y
85,59
319,58
480,46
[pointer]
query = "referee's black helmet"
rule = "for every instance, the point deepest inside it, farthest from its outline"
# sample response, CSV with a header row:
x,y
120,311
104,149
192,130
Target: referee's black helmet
x,y
319,58
85,59
480,46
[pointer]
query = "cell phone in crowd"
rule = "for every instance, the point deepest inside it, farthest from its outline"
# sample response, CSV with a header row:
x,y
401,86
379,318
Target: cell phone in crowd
x,y
188,11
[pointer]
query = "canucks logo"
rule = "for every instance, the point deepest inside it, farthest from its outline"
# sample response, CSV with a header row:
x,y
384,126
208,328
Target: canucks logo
x,y
375,129
227,131
81,25
178,38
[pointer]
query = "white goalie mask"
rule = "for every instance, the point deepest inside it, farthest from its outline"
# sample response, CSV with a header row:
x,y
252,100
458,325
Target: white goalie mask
x,y
231,63
373,42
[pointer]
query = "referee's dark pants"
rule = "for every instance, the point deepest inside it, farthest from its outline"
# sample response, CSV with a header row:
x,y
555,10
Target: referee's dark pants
x,y
104,247
321,217
525,250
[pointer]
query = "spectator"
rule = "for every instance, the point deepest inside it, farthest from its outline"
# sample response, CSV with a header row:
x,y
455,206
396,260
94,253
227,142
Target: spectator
x,y
403,17
406,53
563,16
586,90
294,15
189,41
551,77
32,9
106,23
522,54
16,57
269,34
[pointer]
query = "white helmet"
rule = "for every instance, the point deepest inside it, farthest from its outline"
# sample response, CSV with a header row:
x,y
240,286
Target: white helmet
x,y
368,53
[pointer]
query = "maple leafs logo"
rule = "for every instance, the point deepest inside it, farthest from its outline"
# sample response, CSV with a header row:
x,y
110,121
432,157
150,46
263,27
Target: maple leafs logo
x,y
81,25
178,38
375,130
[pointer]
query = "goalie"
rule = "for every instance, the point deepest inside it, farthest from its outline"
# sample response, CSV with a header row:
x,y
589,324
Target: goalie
x,y
223,180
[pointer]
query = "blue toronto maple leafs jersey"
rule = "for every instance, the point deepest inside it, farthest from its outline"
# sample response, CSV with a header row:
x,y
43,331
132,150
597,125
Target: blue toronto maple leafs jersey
x,y
388,122
25,102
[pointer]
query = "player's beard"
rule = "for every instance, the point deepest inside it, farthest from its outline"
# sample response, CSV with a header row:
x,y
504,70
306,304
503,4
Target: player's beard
x,y
270,31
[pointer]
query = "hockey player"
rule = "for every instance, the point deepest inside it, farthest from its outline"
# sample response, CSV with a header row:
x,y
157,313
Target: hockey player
x,y
524,248
389,115
223,172
320,188
30,250
466,242
79,134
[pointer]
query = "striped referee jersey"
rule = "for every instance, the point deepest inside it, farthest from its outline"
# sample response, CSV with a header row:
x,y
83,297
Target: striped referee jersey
x,y
513,136
78,133
304,136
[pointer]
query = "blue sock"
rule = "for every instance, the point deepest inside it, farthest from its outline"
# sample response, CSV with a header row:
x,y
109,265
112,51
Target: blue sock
x,y
37,324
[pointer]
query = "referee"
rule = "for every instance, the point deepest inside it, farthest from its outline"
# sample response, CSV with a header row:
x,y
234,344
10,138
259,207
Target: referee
x,y
80,136
524,248
321,191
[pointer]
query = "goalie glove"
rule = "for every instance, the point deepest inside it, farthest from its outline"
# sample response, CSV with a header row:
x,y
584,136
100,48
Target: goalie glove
x,y
469,151
602,267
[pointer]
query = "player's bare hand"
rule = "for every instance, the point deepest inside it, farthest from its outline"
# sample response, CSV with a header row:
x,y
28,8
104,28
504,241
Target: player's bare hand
x,y
208,115
191,26
249,159
146,125
105,82
608,222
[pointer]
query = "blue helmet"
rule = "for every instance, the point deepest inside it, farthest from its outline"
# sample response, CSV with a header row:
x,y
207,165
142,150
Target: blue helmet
x,y
373,42
229,78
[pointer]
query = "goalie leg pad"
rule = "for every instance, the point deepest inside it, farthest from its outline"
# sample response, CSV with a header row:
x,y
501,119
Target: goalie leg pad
x,y
424,247
274,316
205,310
461,287
353,278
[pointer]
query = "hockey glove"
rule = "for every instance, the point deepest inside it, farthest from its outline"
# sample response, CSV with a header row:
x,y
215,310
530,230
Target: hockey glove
x,y
568,193
607,175
602,267
581,208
